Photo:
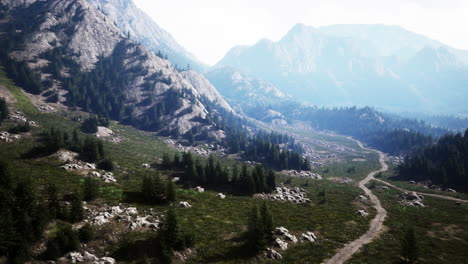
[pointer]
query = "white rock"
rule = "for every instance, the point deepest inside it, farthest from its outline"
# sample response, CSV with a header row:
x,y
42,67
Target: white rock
x,y
185,204
280,243
199,189
273,254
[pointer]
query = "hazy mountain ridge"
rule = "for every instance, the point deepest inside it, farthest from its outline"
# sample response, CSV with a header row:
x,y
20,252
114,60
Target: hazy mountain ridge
x,y
244,90
359,65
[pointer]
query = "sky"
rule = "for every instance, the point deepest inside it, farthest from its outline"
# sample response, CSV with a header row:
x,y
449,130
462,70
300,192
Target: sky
x,y
209,28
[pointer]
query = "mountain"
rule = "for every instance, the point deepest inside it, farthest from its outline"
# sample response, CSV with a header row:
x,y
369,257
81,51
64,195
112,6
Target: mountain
x,y
142,28
242,90
79,57
379,65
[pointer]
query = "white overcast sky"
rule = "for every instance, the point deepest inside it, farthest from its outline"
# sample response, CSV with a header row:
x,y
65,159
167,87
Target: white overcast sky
x,y
209,28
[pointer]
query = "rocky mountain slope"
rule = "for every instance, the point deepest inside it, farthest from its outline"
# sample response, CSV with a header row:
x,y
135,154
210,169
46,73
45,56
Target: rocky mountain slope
x,y
242,90
142,28
85,59
378,65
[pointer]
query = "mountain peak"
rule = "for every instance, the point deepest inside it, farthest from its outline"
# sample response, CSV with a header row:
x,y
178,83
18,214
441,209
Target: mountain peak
x,y
300,28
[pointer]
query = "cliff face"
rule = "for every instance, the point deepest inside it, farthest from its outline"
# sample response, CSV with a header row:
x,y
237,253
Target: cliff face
x,y
142,28
78,39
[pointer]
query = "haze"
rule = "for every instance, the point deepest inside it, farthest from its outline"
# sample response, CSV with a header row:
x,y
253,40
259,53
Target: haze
x,y
209,28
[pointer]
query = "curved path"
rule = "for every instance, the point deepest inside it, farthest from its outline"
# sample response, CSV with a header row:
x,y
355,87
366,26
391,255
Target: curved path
x,y
423,193
376,224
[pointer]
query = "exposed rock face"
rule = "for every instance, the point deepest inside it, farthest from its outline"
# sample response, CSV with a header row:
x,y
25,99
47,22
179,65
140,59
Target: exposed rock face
x,y
77,30
205,88
243,90
130,19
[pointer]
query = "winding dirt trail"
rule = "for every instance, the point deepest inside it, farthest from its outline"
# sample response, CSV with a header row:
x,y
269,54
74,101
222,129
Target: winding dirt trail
x,y
376,224
440,196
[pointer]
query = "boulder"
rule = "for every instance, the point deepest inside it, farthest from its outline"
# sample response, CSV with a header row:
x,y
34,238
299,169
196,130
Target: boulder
x,y
281,230
273,254
75,257
291,238
88,257
107,260
363,213
280,243
309,236
185,204
199,189
131,211
146,165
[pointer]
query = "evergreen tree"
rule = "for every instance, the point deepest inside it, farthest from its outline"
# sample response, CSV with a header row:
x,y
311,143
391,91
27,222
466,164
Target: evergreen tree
x,y
271,181
152,188
409,249
76,210
90,189
90,150
53,204
254,229
170,229
4,113
267,222
170,191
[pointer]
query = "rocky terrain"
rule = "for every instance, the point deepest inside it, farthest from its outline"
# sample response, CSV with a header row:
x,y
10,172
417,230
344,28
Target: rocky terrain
x,y
293,195
142,28
65,25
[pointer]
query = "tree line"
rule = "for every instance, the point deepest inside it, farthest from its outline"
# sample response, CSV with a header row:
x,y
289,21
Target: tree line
x,y
389,133
444,163
243,180
89,149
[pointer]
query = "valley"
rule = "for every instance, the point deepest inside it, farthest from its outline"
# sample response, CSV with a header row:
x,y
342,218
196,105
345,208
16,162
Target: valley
x,y
333,144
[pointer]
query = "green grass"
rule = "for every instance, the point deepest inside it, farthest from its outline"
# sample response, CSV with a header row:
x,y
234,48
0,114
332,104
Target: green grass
x,y
219,224
414,187
436,243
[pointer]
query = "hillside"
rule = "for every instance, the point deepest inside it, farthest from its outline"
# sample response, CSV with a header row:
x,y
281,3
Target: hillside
x,y
85,61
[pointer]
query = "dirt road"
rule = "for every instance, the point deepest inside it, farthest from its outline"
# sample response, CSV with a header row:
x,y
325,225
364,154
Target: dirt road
x,y
376,224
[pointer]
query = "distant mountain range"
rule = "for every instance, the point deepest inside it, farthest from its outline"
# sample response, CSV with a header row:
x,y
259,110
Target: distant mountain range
x,y
378,65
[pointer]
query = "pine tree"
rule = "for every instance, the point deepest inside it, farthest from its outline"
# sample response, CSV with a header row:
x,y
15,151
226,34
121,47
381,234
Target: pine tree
x,y
76,210
271,180
409,250
267,222
170,191
170,229
4,113
254,229
152,188
90,189
53,204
